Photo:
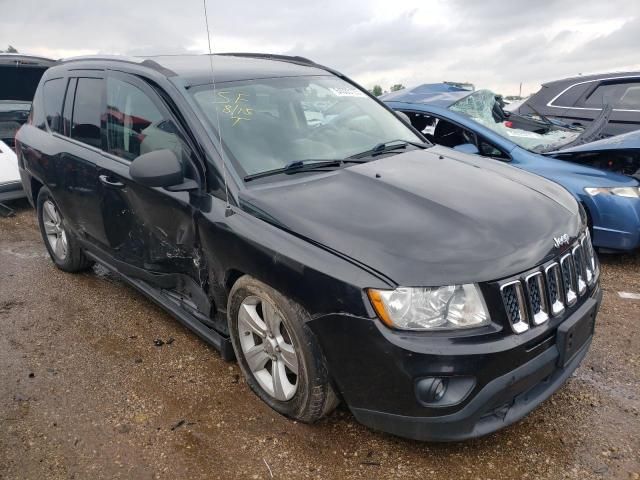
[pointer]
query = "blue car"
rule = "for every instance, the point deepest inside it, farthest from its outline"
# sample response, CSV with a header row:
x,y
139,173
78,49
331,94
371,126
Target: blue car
x,y
603,174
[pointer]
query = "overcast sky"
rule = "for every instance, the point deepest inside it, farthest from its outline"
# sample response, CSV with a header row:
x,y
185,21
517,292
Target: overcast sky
x,y
494,44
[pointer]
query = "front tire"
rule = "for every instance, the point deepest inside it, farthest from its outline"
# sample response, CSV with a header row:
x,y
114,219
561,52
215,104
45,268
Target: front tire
x,y
277,353
64,249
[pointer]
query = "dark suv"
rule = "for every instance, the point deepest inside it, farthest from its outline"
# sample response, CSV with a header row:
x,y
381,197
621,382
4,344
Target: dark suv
x,y
292,220
580,100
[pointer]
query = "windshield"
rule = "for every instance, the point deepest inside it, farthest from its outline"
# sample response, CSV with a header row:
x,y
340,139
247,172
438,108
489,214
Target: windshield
x,y
481,106
269,123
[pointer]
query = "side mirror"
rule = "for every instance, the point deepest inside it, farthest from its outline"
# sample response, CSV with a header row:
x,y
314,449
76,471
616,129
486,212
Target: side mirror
x,y
467,148
160,168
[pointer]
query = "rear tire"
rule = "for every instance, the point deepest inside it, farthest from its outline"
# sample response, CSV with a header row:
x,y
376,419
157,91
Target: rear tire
x,y
63,247
286,368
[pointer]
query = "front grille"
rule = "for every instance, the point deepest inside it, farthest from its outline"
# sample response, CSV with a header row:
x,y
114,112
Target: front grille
x,y
546,292
537,298
513,298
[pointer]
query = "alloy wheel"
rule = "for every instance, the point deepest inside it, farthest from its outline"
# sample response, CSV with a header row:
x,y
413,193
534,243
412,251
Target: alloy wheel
x,y
54,230
268,348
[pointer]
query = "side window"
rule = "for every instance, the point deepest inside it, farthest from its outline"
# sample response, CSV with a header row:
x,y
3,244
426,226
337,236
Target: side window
x,y
450,135
571,96
625,95
422,122
135,125
68,107
631,97
87,111
53,93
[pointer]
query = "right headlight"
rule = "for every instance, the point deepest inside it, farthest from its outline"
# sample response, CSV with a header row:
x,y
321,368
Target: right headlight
x,y
430,308
629,192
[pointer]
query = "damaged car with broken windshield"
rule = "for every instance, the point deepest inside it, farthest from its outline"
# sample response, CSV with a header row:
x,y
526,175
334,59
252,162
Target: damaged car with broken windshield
x,y
602,173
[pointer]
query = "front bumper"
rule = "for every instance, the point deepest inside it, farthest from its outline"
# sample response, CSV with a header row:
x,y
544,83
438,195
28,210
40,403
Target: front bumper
x,y
616,222
512,375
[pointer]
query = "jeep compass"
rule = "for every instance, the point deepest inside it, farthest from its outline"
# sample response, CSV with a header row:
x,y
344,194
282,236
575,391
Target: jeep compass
x,y
297,224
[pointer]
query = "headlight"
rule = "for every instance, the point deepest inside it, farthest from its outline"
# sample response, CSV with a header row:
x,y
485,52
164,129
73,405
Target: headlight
x,y
629,192
430,308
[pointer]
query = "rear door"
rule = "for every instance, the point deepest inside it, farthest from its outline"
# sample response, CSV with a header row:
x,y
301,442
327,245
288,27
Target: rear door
x,y
80,141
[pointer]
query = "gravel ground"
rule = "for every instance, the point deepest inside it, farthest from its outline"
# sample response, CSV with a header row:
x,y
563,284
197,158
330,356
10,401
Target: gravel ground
x,y
85,392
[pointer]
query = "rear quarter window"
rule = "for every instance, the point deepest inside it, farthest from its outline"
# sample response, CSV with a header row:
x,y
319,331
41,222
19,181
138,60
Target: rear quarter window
x,y
49,112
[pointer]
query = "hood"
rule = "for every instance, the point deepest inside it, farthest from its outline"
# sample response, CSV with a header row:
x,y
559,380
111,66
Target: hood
x,y
626,141
425,217
619,154
20,75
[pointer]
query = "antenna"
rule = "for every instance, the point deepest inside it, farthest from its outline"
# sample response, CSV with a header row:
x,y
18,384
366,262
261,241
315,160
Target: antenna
x,y
213,81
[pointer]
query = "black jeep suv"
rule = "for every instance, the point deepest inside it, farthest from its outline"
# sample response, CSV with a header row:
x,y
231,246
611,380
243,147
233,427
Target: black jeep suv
x,y
292,220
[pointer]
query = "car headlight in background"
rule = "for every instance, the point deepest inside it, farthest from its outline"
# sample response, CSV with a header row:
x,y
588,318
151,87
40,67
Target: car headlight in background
x,y
430,308
629,192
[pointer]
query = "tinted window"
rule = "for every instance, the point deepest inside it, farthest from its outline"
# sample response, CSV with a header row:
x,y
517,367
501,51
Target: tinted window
x,y
135,125
87,110
571,96
620,95
53,92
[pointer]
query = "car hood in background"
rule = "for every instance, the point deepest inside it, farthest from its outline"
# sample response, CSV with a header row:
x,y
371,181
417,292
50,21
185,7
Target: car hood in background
x,y
429,217
626,141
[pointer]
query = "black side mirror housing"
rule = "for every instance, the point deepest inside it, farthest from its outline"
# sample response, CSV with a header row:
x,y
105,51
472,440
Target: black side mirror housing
x,y
160,168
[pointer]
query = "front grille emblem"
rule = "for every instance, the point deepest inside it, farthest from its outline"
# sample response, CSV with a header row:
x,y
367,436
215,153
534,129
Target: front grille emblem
x,y
561,240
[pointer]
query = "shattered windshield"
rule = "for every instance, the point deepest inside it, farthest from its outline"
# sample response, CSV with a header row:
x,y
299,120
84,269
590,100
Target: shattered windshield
x,y
481,106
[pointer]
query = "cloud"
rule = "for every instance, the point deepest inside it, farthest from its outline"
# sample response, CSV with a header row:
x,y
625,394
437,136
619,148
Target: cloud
x,y
493,43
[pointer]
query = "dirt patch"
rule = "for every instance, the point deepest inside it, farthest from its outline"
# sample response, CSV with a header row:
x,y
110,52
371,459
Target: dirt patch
x,y
87,392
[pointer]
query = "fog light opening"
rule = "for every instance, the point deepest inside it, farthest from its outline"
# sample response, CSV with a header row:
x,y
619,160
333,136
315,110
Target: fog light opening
x,y
443,391
435,389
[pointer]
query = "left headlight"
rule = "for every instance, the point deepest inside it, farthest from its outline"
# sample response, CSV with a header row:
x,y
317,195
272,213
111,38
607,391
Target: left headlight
x,y
430,308
629,192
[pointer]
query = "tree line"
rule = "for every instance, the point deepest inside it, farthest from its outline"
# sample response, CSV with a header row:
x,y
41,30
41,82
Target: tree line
x,y
377,89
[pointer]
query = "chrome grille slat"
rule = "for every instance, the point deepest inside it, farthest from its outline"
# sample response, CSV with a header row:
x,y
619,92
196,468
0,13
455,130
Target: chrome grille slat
x,y
537,298
581,273
556,297
513,298
568,279
548,291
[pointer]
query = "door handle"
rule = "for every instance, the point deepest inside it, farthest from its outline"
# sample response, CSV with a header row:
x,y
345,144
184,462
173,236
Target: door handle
x,y
107,182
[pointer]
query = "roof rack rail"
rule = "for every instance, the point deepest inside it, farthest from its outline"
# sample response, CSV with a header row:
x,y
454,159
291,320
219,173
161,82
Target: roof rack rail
x,y
271,56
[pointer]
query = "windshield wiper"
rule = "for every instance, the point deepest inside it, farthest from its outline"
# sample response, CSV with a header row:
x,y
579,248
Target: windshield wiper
x,y
298,166
389,146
